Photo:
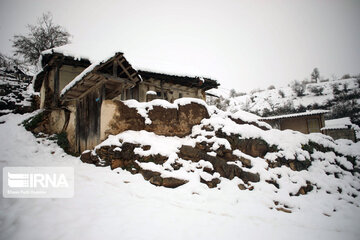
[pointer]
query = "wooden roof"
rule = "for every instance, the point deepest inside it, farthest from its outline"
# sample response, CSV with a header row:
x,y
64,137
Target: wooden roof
x,y
116,74
50,59
295,115
198,82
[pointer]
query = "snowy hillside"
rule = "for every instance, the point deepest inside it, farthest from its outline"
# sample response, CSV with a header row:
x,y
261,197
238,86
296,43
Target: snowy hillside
x,y
14,93
272,99
290,197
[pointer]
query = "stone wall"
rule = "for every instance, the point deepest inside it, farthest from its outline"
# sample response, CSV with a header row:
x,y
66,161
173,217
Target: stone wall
x,y
117,117
343,133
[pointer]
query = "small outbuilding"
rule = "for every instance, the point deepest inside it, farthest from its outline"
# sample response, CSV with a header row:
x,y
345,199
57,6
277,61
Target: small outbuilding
x,y
341,128
305,122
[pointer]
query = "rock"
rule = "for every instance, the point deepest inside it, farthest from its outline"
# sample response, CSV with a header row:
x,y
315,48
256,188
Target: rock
x,y
220,165
273,182
117,163
146,147
283,210
147,174
211,184
249,177
156,180
246,162
242,187
305,189
157,159
173,182
176,165
241,122
86,157
253,147
292,166
190,153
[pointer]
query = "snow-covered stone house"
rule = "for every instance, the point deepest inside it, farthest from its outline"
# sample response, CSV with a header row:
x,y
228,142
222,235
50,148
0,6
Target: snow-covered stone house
x,y
341,128
78,92
305,122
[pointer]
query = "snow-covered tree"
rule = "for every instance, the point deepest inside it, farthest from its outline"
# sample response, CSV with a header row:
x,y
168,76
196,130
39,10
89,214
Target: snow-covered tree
x,y
298,88
42,36
315,75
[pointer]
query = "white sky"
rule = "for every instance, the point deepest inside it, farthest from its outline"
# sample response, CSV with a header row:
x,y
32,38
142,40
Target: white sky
x,y
242,44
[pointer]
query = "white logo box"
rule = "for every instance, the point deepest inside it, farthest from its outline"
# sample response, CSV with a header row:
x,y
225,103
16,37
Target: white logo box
x,y
38,182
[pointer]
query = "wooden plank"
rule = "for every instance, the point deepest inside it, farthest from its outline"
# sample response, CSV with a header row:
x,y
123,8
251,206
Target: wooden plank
x,y
116,91
91,89
56,85
77,127
111,78
126,71
115,68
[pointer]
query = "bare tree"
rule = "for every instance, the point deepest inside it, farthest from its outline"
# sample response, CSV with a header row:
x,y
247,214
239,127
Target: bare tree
x,y
44,35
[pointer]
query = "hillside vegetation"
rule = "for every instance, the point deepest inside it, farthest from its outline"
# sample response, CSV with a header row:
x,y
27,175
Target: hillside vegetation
x,y
341,96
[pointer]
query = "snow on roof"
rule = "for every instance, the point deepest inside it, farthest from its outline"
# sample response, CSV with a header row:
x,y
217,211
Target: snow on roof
x,y
78,52
137,59
87,70
339,123
294,115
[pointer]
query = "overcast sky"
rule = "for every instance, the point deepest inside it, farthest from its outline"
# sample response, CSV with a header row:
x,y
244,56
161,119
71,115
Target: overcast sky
x,y
243,44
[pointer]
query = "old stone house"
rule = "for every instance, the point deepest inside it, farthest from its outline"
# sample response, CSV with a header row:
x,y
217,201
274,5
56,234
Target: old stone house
x,y
340,128
79,94
306,122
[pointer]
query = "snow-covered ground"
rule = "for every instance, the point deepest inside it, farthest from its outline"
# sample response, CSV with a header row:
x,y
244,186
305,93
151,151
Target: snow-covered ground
x,y
117,205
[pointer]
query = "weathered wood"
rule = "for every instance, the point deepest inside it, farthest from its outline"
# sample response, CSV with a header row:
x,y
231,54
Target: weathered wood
x,y
115,69
126,71
56,85
77,128
88,118
91,89
111,78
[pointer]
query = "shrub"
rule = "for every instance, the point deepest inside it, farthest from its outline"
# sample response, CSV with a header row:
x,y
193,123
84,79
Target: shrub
x,y
232,93
317,90
324,80
62,141
335,89
281,93
298,88
257,90
31,123
346,76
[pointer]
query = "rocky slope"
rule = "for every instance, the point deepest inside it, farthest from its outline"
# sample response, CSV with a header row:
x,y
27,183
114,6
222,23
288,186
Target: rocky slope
x,y
14,93
238,148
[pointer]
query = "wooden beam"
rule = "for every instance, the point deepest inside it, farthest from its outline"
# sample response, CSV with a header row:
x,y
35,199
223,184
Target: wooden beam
x,y
129,67
115,68
91,89
126,71
110,78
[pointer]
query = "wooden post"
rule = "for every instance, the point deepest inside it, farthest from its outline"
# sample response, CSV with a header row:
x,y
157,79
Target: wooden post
x,y
115,67
56,86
